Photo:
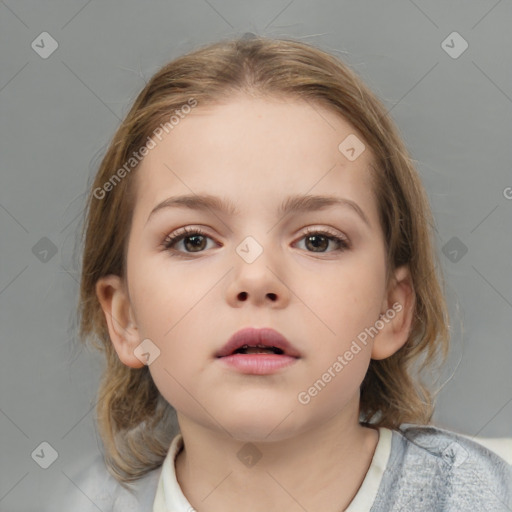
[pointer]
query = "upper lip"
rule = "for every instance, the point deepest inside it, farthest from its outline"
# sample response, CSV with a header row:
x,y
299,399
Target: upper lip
x,y
253,337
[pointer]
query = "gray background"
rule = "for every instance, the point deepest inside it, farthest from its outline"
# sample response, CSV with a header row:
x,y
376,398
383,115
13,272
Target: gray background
x,y
57,115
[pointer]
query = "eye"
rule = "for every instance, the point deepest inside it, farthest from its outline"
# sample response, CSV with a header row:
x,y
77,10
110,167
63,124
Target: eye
x,y
192,238
195,240
319,240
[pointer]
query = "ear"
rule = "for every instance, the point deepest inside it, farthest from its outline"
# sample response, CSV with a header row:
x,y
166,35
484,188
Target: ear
x,y
116,306
396,315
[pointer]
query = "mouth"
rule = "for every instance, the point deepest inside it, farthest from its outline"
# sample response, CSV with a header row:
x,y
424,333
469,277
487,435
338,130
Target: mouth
x,y
258,341
258,352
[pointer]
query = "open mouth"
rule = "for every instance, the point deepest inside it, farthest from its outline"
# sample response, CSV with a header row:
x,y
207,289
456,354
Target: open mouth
x,y
251,341
258,359
257,349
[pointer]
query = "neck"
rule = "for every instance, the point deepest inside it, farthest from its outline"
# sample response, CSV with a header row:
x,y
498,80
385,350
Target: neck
x,y
319,469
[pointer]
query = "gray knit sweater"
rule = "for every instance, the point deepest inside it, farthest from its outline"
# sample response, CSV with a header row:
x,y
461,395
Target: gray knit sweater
x,y
432,469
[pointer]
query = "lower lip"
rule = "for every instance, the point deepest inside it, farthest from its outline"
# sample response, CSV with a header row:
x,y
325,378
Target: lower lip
x,y
258,364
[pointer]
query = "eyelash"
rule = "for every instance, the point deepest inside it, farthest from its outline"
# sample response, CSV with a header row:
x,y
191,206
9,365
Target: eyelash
x,y
170,240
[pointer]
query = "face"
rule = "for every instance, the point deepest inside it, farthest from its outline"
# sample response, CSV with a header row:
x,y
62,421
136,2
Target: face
x,y
295,276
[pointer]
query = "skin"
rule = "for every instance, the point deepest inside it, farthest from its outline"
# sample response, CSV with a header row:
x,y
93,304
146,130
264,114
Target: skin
x,y
257,152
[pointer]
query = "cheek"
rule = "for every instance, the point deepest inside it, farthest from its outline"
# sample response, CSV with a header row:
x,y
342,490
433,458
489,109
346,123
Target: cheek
x,y
334,381
163,294
181,359
344,300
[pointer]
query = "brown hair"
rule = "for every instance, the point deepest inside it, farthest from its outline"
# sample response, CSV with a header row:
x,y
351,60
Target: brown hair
x,y
135,422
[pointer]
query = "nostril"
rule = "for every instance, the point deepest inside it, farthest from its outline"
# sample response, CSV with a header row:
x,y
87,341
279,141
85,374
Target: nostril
x,y
271,296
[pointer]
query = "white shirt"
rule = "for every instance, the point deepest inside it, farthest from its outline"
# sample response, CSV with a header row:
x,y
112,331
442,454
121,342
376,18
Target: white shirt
x,y
170,498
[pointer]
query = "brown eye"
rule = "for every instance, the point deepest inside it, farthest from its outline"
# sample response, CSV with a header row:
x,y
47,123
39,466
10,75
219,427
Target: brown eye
x,y
319,241
194,240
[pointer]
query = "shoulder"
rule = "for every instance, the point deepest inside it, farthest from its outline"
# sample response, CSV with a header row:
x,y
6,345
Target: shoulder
x,y
437,469
88,486
449,444
452,445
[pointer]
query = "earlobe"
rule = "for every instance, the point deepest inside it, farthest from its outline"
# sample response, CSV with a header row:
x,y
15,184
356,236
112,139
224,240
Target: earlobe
x,y
397,315
116,306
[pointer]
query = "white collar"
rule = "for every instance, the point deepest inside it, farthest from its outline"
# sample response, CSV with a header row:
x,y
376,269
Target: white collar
x,y
169,496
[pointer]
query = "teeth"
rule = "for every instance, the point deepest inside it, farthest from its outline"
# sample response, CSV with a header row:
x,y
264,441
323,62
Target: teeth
x,y
258,349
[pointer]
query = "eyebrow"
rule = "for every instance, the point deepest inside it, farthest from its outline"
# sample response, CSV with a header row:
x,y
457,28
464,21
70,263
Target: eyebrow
x,y
297,203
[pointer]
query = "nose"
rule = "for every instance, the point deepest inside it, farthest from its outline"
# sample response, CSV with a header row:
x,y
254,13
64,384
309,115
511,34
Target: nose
x,y
260,282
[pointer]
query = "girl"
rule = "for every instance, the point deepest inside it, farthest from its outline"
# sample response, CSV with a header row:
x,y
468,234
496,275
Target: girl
x,y
258,265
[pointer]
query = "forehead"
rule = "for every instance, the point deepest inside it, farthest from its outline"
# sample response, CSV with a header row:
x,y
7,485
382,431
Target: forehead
x,y
251,148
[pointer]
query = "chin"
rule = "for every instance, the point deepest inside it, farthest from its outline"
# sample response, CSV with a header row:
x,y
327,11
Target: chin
x,y
259,425
258,434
